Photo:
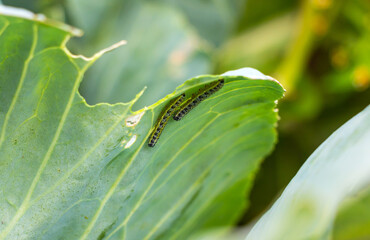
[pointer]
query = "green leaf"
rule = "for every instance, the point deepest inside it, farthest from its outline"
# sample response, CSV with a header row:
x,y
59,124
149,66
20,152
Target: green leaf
x,y
353,219
74,171
338,170
160,58
214,20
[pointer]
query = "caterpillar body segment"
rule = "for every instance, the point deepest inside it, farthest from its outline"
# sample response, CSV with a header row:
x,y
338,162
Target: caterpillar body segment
x,y
198,98
163,119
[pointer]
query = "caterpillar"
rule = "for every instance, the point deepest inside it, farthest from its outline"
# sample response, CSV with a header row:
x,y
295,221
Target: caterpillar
x,y
163,119
198,98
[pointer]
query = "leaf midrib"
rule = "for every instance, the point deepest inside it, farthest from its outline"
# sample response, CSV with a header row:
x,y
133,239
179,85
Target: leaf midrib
x,y
142,197
7,116
25,204
21,81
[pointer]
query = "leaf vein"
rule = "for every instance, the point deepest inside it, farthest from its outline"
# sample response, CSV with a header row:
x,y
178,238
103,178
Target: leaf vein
x,y
20,84
206,203
128,217
113,188
155,228
10,226
83,159
2,30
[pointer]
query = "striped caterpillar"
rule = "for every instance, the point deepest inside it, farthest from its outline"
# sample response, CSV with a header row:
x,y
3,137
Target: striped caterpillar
x,y
198,98
163,119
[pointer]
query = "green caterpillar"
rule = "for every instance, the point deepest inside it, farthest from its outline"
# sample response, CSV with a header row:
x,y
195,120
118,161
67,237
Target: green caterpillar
x,y
163,119
198,98
184,108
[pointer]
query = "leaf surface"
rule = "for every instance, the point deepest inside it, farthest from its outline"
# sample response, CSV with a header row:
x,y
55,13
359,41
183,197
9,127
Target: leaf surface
x,y
162,51
73,171
331,183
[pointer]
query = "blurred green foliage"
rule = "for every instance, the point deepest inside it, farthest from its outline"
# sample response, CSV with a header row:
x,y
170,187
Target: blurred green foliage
x,y
318,49
353,220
